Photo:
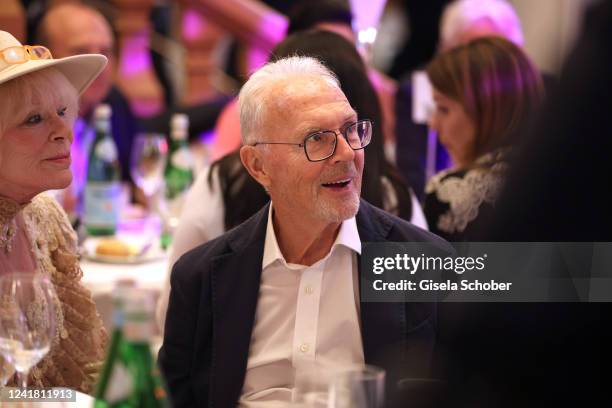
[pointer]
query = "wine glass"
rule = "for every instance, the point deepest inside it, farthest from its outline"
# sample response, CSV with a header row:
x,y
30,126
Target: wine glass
x,y
148,162
27,320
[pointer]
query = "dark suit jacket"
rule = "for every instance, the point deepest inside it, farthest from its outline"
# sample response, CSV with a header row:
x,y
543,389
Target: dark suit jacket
x,y
215,288
124,129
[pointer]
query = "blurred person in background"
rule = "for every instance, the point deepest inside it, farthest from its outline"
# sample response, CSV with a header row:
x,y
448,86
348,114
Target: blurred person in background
x,y
71,29
486,93
461,21
337,16
39,104
420,36
232,195
325,15
466,20
548,354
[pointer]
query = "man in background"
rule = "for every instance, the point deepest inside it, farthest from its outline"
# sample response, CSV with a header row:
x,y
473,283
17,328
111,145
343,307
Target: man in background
x,y
71,29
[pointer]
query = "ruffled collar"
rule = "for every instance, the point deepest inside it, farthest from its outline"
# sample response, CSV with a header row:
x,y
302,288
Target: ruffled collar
x,y
498,155
8,227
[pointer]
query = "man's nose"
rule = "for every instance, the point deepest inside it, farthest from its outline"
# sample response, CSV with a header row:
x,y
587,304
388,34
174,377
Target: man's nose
x,y
344,152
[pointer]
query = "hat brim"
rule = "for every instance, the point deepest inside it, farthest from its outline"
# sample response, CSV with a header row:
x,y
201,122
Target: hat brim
x,y
79,70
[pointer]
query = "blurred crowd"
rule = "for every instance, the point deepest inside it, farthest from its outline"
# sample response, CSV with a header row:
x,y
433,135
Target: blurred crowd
x,y
517,154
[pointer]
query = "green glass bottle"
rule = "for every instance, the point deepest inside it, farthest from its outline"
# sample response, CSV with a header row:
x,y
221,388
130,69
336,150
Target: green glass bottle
x,y
103,187
179,170
120,293
130,378
178,174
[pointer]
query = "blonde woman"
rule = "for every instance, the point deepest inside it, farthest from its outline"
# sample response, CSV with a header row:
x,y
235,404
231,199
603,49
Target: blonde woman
x,y
38,106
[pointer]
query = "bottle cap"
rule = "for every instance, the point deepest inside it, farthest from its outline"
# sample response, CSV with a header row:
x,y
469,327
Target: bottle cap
x,y
123,287
103,111
179,126
179,121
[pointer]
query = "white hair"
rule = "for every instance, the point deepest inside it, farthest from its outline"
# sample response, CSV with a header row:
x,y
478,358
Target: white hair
x,y
46,86
459,15
252,97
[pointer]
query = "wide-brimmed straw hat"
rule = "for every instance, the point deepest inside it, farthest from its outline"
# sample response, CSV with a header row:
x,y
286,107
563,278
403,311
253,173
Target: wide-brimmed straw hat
x,y
80,70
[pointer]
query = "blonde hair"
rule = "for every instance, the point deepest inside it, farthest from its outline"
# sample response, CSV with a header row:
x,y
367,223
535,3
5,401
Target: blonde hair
x,y
44,87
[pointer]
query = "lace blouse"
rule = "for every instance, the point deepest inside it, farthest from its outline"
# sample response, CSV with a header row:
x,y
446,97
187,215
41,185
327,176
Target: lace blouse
x,y
459,203
39,235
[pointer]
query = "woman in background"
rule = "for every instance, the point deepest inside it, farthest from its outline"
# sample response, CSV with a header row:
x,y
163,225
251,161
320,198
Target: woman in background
x,y
38,107
486,93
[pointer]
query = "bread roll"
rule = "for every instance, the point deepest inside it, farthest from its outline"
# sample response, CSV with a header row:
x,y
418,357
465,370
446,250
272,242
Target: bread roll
x,y
113,247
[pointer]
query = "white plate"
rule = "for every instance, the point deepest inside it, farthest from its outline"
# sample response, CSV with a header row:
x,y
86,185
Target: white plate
x,y
154,253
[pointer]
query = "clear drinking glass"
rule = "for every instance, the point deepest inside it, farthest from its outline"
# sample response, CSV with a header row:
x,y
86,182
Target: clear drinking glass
x,y
148,162
311,386
27,320
358,387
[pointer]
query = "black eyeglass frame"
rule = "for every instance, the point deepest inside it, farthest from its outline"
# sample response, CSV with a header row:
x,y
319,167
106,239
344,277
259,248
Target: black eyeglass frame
x,y
335,132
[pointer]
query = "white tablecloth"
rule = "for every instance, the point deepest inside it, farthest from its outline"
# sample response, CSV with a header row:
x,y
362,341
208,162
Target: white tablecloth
x,y
100,279
150,273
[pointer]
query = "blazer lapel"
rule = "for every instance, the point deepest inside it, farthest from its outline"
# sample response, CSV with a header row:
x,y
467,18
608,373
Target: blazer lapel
x,y
383,324
235,288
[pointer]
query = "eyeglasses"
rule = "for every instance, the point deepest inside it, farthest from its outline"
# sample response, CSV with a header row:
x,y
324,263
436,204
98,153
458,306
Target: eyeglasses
x,y
321,145
23,53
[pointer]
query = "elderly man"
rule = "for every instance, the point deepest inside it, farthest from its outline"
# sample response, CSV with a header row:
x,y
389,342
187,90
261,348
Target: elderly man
x,y
279,293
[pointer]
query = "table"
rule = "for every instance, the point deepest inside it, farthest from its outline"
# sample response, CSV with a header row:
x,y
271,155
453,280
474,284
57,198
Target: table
x,y
100,278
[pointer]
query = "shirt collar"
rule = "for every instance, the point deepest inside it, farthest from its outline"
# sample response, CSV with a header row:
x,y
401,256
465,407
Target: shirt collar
x,y
348,236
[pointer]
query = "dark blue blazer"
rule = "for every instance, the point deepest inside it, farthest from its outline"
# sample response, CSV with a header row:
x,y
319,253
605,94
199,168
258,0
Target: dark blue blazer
x,y
212,305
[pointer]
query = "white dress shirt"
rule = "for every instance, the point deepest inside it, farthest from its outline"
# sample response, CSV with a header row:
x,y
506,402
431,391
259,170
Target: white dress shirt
x,y
305,315
199,224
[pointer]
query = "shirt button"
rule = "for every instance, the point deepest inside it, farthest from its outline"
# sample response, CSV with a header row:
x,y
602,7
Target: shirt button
x,y
304,347
308,290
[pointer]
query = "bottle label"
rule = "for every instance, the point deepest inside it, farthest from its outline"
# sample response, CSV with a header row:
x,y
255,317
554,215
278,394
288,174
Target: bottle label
x,y
120,384
138,326
182,159
102,204
106,150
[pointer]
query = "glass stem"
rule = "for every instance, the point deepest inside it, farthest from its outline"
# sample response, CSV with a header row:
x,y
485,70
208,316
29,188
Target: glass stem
x,y
23,378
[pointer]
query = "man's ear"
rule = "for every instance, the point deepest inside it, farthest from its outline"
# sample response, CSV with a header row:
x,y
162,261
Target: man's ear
x,y
252,160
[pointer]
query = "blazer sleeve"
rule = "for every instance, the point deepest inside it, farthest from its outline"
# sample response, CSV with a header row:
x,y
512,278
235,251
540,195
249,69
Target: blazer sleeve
x,y
176,356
